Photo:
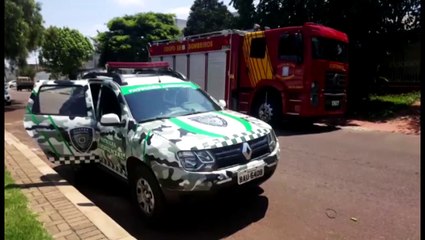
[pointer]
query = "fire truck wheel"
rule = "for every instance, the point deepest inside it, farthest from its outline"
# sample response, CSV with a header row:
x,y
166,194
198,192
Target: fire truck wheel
x,y
268,107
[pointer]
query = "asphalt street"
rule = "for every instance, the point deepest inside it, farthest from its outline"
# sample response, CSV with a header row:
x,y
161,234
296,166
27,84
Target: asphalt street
x,y
330,183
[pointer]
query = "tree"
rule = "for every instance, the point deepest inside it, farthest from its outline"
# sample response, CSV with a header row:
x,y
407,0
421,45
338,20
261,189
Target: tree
x,y
64,50
246,11
128,37
208,16
23,29
281,13
27,71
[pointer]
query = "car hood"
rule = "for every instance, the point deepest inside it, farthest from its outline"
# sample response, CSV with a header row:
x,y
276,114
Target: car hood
x,y
208,130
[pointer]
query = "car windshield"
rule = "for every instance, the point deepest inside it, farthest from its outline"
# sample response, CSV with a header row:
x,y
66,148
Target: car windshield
x,y
329,49
159,101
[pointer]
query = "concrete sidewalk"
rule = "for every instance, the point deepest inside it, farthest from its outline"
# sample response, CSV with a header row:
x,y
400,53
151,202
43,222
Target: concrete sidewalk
x,y
63,211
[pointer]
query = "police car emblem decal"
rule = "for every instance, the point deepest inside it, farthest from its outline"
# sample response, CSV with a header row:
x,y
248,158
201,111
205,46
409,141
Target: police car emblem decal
x,y
81,138
211,120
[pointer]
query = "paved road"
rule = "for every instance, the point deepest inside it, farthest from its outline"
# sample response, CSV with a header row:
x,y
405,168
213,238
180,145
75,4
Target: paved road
x,y
330,184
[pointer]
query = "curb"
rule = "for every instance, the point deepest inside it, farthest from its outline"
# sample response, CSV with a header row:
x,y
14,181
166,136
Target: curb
x,y
102,221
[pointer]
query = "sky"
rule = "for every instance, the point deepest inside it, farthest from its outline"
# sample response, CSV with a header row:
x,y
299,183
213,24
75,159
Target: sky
x,y
90,16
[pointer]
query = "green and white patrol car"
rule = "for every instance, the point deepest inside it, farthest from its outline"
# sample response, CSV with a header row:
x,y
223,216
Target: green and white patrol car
x,y
162,134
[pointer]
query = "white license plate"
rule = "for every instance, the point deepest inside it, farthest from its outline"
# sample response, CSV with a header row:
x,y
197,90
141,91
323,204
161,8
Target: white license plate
x,y
335,103
250,174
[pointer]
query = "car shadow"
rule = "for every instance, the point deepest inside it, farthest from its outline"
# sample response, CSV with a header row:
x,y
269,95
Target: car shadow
x,y
13,106
48,180
291,129
214,217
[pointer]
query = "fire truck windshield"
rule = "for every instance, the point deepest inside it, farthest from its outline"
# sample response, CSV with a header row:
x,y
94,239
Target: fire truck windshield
x,y
329,49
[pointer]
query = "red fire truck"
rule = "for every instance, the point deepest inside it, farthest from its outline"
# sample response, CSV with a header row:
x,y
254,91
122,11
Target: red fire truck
x,y
300,71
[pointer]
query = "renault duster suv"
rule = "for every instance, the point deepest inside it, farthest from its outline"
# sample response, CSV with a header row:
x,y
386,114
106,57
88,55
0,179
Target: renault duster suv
x,y
161,133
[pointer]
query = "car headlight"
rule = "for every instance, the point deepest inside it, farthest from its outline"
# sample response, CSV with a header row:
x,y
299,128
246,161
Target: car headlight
x,y
271,138
196,160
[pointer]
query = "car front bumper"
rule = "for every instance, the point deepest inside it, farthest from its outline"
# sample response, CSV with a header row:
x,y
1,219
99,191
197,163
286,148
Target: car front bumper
x,y
176,181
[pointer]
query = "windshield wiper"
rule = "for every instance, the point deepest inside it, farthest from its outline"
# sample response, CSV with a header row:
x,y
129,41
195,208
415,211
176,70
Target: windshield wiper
x,y
194,112
166,117
153,119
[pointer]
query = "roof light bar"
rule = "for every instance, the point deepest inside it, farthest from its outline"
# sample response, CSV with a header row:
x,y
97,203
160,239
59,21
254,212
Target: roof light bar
x,y
137,65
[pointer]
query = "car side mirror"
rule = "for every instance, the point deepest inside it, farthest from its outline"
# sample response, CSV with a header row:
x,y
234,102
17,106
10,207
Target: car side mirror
x,y
222,103
110,119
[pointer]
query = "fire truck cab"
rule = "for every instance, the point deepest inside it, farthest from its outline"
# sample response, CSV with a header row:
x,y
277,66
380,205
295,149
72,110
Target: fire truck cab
x,y
292,71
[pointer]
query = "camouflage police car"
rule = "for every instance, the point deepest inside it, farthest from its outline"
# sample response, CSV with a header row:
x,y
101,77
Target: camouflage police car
x,y
162,134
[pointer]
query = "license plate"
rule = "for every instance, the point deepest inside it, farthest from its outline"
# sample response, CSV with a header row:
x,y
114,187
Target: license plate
x,y
335,103
250,174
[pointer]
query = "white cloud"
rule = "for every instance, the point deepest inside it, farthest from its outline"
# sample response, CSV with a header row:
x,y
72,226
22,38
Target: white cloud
x,y
131,3
181,12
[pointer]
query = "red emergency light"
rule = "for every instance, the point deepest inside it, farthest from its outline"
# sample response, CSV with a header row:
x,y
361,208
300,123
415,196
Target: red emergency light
x,y
137,65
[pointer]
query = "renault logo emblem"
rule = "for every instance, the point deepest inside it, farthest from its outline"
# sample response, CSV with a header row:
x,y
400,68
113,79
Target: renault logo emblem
x,y
246,151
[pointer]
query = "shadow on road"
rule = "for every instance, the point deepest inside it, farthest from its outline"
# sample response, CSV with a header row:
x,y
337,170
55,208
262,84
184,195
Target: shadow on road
x,y
196,218
48,180
290,129
14,106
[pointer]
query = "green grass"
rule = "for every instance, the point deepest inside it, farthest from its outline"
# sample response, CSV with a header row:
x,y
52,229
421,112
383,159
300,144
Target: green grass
x,y
19,221
386,107
406,99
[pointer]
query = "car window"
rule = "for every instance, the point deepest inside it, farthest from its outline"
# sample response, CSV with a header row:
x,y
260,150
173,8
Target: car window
x,y
108,103
95,90
166,102
61,100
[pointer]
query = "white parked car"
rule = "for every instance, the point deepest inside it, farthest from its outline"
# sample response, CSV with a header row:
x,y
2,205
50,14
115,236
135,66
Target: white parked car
x,y
7,98
12,84
166,136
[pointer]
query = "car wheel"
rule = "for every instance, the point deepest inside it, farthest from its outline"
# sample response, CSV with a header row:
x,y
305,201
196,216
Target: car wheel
x,y
147,194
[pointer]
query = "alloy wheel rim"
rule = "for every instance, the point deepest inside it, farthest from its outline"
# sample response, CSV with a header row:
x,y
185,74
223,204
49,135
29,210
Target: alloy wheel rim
x,y
145,196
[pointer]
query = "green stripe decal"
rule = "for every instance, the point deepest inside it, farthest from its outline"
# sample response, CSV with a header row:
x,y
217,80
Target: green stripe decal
x,y
60,134
244,122
144,144
193,129
34,119
145,87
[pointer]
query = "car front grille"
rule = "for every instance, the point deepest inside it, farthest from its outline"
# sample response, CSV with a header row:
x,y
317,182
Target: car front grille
x,y
232,155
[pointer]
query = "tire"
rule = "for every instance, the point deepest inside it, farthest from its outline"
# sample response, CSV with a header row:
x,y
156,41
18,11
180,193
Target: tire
x,y
268,108
147,194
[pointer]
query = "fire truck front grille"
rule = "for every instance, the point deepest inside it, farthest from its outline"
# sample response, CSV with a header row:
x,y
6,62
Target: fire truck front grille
x,y
232,155
335,82
335,85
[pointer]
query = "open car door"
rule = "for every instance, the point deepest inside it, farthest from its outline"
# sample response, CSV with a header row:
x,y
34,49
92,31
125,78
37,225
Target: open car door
x,y
60,117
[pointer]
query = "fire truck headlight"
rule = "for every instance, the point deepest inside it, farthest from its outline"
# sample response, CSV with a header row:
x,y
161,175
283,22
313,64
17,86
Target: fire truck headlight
x,y
314,95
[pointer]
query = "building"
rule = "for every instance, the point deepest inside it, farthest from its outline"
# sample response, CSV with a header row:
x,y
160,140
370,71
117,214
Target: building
x,y
181,23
